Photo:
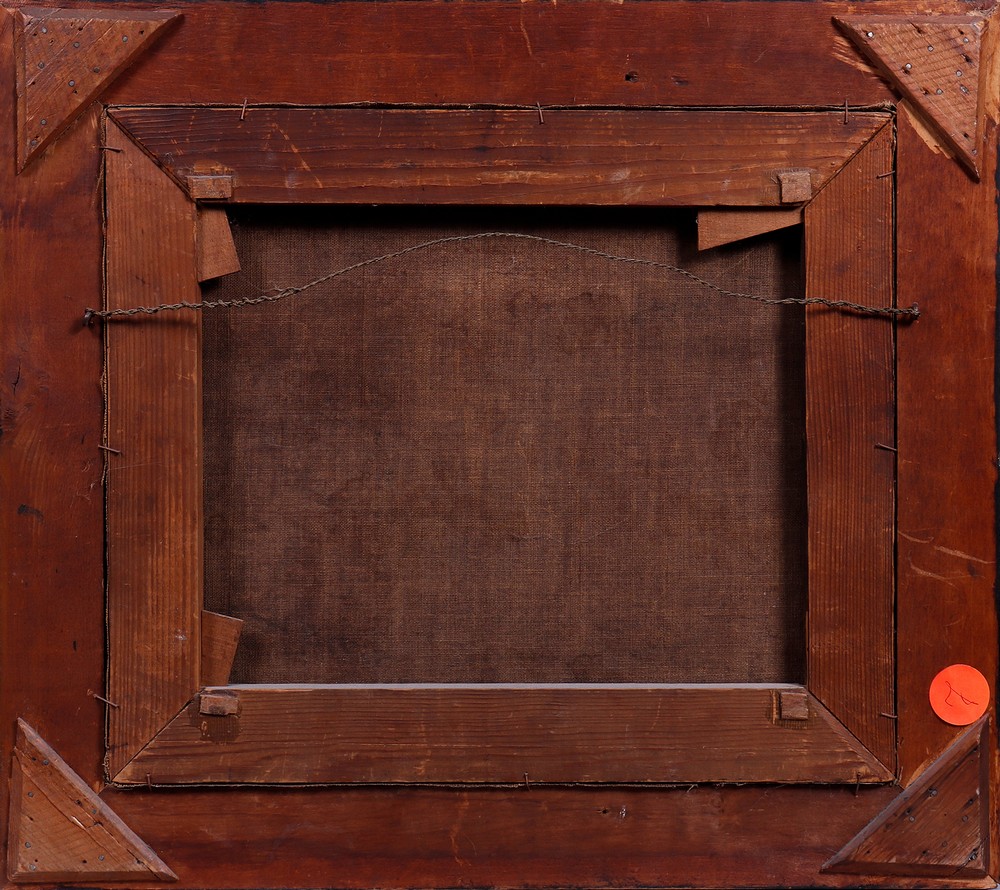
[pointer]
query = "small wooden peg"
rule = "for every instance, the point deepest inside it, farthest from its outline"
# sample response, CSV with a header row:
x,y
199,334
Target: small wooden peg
x,y
218,704
210,187
794,705
795,186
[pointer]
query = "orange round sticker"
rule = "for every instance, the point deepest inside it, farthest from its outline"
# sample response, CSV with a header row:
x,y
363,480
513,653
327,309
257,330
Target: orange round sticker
x,y
960,694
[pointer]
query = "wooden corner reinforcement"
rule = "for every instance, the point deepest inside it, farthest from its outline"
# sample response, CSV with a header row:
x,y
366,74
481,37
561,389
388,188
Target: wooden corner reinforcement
x,y
66,58
60,830
937,827
935,63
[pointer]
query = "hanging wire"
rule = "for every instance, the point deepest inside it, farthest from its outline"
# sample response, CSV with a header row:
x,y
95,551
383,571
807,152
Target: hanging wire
x,y
910,313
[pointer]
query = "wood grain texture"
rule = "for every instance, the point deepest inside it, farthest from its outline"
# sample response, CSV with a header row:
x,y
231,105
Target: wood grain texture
x,y
500,156
718,227
60,830
946,431
938,826
526,837
154,509
849,437
216,250
934,62
66,58
761,53
220,635
51,525
499,734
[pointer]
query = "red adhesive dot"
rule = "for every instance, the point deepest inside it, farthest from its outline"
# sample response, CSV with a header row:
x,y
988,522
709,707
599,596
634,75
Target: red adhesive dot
x,y
960,694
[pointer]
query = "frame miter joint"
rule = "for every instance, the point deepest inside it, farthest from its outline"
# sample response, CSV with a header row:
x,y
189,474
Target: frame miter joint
x,y
935,63
937,827
61,831
66,58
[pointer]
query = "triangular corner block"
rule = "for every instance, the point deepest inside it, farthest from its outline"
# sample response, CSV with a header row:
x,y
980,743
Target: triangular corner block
x,y
935,63
937,827
61,831
66,58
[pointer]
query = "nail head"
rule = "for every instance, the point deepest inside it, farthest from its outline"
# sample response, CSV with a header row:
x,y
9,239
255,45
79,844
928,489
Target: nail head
x,y
870,34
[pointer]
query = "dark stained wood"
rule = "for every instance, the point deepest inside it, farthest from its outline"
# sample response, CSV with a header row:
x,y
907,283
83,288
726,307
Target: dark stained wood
x,y
732,54
51,526
934,62
937,827
60,830
214,239
154,505
52,644
718,227
220,635
946,430
849,437
497,157
766,836
65,59
559,733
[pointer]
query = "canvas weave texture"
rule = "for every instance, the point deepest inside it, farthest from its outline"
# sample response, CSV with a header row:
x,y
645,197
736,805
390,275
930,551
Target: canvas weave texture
x,y
501,462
